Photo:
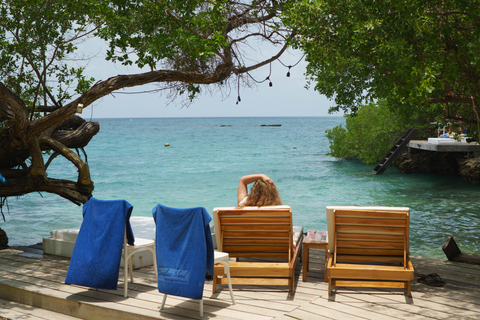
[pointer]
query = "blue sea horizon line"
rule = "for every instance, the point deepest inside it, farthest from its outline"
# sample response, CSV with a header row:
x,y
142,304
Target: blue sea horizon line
x,y
219,117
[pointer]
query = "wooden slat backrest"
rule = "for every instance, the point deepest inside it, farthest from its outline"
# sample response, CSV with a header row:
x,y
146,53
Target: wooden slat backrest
x,y
374,233
255,233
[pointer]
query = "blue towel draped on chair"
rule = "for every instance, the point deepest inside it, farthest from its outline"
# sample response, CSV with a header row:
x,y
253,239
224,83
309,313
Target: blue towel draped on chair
x,y
96,256
184,249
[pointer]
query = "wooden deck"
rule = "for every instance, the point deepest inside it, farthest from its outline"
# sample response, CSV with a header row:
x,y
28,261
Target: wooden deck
x,y
37,283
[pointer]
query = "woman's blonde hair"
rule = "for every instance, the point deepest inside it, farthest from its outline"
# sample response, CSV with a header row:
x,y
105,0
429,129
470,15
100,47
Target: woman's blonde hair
x,y
263,194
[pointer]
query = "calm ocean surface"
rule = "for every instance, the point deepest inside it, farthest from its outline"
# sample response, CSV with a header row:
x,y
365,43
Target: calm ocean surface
x,y
206,158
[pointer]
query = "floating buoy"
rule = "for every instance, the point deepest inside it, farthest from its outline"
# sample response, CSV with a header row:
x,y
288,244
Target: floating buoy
x,y
167,144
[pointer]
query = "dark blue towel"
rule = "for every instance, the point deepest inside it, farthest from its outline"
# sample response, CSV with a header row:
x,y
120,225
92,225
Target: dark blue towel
x,y
184,248
96,256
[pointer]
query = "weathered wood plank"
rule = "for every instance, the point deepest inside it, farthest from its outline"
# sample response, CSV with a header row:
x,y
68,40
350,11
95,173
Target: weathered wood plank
x,y
353,310
43,279
375,301
15,310
304,315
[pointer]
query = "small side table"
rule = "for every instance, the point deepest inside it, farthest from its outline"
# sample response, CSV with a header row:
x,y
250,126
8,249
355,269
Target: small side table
x,y
311,244
224,258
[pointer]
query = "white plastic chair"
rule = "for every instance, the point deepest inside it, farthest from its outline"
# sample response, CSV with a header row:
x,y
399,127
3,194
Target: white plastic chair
x,y
128,252
219,257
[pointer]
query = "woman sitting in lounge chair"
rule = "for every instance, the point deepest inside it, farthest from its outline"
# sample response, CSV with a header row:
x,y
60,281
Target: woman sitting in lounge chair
x,y
263,193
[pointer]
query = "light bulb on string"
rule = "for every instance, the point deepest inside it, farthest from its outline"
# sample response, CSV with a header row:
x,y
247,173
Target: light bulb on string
x,y
270,84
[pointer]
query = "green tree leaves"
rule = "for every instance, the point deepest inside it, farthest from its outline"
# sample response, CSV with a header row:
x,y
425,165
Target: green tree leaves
x,y
180,31
411,54
368,135
37,39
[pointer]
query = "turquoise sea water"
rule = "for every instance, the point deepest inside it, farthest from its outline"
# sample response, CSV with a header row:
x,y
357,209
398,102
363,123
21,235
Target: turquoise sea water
x,y
206,158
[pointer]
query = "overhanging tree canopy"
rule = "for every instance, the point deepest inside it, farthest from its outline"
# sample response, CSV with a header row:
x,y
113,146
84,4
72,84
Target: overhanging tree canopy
x,y
183,44
417,55
420,55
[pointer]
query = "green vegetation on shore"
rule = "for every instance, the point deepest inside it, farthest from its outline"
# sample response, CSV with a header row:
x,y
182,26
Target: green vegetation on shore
x,y
420,57
370,133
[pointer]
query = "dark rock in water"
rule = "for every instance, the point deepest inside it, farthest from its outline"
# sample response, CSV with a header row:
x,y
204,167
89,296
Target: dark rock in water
x,y
225,125
443,163
3,239
470,170
271,125
420,161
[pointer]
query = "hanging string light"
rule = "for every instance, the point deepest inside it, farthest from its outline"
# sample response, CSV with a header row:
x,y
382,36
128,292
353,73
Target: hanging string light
x,y
290,66
238,89
270,84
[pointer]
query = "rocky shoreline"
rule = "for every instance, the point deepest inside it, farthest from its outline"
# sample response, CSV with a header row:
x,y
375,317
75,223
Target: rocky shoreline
x,y
461,164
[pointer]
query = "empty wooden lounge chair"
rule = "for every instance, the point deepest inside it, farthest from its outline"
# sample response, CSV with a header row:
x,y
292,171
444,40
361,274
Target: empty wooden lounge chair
x,y
368,247
264,234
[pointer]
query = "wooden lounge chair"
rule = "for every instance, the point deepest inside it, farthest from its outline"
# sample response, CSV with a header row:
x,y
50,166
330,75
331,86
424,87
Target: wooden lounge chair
x,y
368,247
262,234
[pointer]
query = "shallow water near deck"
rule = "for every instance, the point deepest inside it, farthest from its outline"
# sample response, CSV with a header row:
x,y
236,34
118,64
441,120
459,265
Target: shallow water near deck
x,y
207,156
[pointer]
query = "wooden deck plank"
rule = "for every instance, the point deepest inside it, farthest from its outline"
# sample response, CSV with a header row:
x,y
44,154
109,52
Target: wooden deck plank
x,y
333,312
395,307
371,302
44,280
15,310
353,309
173,303
433,304
304,315
145,303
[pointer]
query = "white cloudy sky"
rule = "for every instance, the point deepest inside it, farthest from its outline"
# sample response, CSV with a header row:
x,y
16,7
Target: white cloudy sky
x,y
287,96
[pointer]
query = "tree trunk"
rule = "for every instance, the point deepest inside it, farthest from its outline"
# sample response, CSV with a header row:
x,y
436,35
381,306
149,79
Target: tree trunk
x,y
22,147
